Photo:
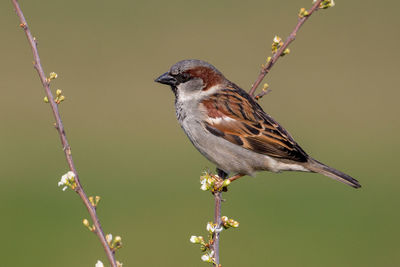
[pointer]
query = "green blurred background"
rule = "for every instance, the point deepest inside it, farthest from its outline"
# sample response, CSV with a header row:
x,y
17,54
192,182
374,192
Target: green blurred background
x,y
337,93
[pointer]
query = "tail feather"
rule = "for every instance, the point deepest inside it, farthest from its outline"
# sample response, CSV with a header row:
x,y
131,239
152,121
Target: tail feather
x,y
316,166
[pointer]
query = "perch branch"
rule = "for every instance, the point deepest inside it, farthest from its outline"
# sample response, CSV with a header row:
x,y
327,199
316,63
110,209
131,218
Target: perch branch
x,y
60,129
218,222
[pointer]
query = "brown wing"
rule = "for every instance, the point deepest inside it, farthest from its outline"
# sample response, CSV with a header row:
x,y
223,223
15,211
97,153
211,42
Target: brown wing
x,y
236,117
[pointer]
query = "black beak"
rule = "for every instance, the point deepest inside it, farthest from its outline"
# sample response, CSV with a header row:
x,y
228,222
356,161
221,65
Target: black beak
x,y
168,79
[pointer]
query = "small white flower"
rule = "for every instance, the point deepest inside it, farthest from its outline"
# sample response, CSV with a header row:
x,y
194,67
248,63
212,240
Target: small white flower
x,y
109,238
277,39
70,175
208,257
63,180
99,264
205,258
118,239
205,184
194,239
67,180
210,227
218,230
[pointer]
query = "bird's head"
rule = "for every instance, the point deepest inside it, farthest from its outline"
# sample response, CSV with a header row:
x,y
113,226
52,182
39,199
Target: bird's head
x,y
189,78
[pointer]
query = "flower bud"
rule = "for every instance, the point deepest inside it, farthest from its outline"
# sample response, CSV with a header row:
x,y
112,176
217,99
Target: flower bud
x,y
85,222
53,76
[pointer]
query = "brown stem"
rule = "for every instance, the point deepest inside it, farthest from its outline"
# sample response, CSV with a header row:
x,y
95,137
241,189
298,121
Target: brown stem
x,y
218,222
60,128
217,216
266,69
262,93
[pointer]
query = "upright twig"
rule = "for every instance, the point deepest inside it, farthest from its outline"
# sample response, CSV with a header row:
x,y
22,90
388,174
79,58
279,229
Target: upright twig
x,y
267,67
60,129
218,222
217,215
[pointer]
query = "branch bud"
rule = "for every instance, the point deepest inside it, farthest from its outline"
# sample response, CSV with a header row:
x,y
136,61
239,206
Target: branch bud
x,y
226,183
195,239
227,223
276,44
326,4
59,99
303,12
117,242
285,52
52,76
85,222
94,200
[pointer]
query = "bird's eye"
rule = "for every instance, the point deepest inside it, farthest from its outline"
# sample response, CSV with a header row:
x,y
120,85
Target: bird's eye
x,y
182,77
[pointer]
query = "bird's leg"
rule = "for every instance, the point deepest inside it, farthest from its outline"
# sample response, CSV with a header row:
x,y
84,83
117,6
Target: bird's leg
x,y
222,174
222,177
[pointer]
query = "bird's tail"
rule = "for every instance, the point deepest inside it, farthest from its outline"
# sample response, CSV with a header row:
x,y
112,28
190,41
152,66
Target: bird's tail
x,y
316,166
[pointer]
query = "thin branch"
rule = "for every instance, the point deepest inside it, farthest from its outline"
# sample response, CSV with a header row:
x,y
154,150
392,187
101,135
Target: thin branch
x,y
217,215
266,69
218,222
60,128
262,93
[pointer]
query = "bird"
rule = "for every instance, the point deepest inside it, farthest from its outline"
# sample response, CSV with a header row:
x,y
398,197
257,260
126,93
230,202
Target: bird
x,y
231,129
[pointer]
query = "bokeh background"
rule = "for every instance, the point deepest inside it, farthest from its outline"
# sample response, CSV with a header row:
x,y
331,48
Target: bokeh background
x,y
337,93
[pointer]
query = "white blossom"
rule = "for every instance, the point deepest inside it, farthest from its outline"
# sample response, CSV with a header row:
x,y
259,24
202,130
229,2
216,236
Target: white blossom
x,y
210,227
67,180
208,257
99,264
109,238
277,39
204,187
205,184
194,239
118,239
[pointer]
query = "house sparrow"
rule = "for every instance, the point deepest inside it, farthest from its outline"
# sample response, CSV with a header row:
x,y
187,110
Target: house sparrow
x,y
231,130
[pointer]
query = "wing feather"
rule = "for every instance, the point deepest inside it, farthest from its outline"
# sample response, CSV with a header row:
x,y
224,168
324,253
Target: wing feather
x,y
236,117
